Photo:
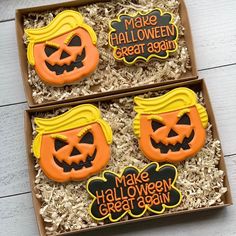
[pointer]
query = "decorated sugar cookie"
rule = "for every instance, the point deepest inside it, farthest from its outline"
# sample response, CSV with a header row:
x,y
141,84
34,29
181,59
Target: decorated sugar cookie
x,y
134,192
143,36
64,51
74,145
170,127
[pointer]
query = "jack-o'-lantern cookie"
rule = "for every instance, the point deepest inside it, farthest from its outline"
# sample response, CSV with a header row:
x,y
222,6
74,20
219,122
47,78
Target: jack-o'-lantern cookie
x,y
64,51
74,145
170,127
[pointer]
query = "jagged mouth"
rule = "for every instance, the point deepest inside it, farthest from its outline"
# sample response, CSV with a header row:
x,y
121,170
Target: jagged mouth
x,y
75,64
82,164
174,148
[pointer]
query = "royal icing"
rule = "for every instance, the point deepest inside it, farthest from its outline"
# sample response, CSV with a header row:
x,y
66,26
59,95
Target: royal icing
x,y
143,36
74,145
133,192
64,51
170,127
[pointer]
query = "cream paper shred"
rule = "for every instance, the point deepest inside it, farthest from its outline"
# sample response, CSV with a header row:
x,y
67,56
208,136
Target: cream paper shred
x,y
110,74
65,206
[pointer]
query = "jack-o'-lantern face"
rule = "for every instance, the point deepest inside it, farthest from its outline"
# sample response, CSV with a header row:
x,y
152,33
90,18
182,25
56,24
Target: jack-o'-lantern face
x,y
67,58
64,51
73,145
74,154
171,136
170,127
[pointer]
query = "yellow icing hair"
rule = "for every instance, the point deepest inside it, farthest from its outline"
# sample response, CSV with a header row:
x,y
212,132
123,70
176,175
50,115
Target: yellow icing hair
x,y
62,23
176,99
76,117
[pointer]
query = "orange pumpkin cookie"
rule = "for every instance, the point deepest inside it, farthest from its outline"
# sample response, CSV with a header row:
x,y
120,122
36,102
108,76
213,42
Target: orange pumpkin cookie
x,y
170,127
74,145
64,51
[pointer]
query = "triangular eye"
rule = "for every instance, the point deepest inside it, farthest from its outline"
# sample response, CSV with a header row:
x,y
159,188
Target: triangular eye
x,y
75,152
156,125
75,41
64,54
184,120
87,138
49,50
59,144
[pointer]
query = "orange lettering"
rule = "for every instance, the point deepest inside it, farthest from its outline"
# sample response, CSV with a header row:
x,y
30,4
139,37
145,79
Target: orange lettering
x,y
159,187
138,22
163,31
122,38
120,181
166,197
170,30
167,185
131,191
157,32
129,22
114,37
126,205
118,206
149,33
153,20
110,207
103,210
151,188
142,189
102,197
141,34
145,176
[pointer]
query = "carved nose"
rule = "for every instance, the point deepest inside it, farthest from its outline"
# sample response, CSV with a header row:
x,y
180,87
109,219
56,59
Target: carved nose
x,y
64,54
75,152
172,133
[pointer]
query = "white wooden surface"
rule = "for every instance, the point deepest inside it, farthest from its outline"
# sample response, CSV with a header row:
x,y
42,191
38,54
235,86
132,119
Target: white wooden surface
x,y
214,33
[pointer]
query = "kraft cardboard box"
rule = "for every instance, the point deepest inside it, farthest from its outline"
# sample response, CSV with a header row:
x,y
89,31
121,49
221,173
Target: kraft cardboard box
x,y
198,86
97,90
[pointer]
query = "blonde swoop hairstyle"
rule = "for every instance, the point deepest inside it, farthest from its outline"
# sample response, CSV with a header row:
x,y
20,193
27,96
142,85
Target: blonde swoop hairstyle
x,y
62,23
74,118
176,99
